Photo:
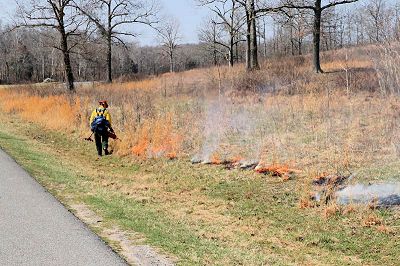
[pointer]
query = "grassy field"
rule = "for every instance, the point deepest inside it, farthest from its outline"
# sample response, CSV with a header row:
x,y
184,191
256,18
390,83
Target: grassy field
x,y
207,214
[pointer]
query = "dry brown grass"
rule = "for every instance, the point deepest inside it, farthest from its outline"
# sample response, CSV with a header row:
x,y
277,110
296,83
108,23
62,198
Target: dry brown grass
x,y
53,112
310,122
336,132
372,220
331,210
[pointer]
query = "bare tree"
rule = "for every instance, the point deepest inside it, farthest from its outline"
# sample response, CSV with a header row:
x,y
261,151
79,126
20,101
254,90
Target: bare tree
x,y
209,34
251,13
110,17
4,52
251,33
330,30
253,10
317,7
396,23
359,21
376,12
296,23
227,15
57,15
169,37
262,33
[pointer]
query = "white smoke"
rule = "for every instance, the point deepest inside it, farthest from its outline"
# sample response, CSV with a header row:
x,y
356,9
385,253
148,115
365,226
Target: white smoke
x,y
230,129
382,194
213,131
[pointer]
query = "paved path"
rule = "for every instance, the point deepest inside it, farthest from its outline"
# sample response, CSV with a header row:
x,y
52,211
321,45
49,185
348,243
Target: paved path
x,y
35,229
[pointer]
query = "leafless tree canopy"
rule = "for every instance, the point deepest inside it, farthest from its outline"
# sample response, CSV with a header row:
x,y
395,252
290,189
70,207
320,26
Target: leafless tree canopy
x,y
228,20
58,16
169,35
113,18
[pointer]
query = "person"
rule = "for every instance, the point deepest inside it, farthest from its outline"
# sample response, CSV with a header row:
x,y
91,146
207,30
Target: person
x,y
100,124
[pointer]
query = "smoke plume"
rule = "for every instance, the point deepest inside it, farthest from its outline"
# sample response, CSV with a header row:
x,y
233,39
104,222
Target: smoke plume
x,y
230,130
383,194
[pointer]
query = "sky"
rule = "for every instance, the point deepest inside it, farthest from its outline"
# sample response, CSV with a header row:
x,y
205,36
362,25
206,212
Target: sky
x,y
186,12
189,14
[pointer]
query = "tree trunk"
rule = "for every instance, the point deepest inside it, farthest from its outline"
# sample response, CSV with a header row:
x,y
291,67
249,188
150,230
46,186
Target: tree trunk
x,y
214,46
317,38
215,56
67,61
231,51
7,72
109,46
300,44
109,59
237,52
265,40
43,69
171,61
253,36
248,42
291,39
254,49
52,64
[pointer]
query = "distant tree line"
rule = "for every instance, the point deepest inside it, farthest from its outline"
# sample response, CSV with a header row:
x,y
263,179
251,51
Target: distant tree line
x,y
243,30
74,40
26,55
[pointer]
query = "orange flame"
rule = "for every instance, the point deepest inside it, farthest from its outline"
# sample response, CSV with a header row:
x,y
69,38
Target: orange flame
x,y
216,159
157,138
276,170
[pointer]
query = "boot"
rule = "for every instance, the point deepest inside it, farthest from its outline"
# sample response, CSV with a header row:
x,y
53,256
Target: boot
x,y
106,152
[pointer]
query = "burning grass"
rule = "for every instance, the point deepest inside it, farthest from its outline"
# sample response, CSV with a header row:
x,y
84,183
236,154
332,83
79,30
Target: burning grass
x,y
284,171
275,170
156,138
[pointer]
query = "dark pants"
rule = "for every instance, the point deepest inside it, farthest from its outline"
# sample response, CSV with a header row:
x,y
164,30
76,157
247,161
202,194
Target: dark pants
x,y
101,143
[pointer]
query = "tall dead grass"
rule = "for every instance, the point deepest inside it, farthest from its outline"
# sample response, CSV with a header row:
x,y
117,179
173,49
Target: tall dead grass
x,y
153,139
53,112
316,123
387,66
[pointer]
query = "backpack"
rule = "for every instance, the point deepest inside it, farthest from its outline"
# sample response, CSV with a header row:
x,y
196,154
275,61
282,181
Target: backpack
x,y
99,124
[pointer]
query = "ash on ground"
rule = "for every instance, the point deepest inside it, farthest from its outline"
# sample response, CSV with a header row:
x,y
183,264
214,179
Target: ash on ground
x,y
196,160
248,165
229,164
325,187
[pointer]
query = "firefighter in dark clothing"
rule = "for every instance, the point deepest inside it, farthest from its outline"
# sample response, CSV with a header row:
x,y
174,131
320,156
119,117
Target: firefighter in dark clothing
x,y
100,123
